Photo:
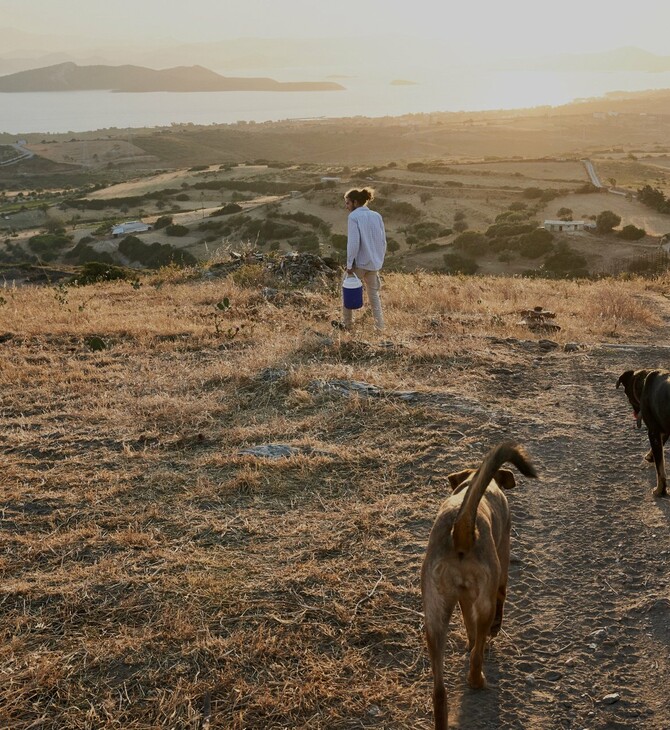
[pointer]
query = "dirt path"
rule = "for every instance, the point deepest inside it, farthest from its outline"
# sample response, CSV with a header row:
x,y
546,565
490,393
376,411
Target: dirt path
x,y
589,603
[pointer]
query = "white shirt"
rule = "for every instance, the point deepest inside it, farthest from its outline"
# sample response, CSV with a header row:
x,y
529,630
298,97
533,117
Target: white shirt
x,y
366,239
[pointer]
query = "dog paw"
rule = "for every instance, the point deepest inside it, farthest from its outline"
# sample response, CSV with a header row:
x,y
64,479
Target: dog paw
x,y
477,681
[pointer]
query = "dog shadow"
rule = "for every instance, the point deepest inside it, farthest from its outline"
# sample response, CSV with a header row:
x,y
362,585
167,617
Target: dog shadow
x,y
479,707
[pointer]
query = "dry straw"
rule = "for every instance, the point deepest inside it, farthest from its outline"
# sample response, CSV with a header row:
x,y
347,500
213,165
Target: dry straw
x,y
152,576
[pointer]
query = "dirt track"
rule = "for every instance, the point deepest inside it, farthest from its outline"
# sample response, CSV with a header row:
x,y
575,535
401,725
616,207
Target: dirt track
x,y
588,611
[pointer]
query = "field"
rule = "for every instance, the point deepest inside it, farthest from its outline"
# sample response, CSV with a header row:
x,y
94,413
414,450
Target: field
x,y
156,575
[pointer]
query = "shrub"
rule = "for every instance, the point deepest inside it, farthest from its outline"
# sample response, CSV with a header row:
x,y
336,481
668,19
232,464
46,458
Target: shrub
x,y
631,233
182,196
398,209
460,226
307,242
566,262
154,255
424,231
228,209
175,229
430,247
503,230
472,242
163,222
83,253
456,264
532,193
339,241
536,244
49,245
96,271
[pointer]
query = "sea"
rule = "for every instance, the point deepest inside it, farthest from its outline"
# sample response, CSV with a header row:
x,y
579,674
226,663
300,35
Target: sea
x,y
417,92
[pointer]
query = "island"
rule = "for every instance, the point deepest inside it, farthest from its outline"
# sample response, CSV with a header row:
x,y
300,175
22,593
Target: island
x,y
72,77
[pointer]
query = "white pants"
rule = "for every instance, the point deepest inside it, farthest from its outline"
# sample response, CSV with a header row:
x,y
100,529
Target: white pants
x,y
372,284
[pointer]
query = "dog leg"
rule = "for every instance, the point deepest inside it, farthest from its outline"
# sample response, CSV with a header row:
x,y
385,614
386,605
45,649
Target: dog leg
x,y
500,604
436,631
476,677
649,456
470,622
657,440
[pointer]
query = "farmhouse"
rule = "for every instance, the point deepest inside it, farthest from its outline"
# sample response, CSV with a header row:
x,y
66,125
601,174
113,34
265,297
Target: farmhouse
x,y
565,226
130,227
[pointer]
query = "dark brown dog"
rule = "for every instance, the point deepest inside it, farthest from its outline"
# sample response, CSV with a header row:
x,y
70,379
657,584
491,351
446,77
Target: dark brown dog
x,y
648,392
467,561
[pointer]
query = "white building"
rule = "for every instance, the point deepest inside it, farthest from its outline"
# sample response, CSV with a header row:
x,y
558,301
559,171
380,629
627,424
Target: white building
x,y
564,226
130,227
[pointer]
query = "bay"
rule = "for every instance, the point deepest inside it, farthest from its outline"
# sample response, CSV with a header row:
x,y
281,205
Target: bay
x,y
440,90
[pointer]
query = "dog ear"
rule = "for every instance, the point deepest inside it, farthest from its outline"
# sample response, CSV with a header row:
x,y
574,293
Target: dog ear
x,y
625,378
505,479
458,477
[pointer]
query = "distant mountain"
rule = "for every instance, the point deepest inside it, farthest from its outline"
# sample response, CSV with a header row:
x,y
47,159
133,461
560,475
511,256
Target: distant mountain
x,y
71,77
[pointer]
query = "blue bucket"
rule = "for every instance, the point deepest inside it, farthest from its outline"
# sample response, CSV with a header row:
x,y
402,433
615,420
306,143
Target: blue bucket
x,y
352,292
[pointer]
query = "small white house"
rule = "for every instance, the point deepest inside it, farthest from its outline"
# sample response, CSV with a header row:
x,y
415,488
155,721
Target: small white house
x,y
130,227
564,226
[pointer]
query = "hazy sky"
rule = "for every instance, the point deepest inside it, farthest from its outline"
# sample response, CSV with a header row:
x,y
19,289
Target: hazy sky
x,y
507,27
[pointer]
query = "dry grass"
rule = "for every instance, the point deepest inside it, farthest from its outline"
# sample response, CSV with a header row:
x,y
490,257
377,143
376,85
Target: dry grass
x,y
152,575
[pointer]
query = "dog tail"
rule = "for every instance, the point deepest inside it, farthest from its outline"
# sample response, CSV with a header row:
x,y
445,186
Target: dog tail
x,y
463,533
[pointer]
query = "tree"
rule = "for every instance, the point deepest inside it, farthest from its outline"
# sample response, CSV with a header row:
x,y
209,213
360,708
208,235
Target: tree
x,y
565,214
425,197
606,221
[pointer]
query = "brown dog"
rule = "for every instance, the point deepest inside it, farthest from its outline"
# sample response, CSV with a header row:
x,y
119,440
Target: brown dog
x,y
648,391
467,561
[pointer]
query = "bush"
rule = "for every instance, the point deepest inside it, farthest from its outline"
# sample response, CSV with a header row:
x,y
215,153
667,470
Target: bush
x,y
154,255
536,244
532,193
181,196
339,241
49,245
455,264
631,233
566,262
307,242
96,271
228,209
175,229
398,209
472,242
163,222
424,231
83,253
460,226
430,247
504,230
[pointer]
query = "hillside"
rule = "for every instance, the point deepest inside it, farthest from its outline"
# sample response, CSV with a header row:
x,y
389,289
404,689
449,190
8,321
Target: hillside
x,y
71,77
154,574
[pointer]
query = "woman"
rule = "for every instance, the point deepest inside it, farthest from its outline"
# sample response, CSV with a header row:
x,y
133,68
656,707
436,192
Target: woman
x,y
366,247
